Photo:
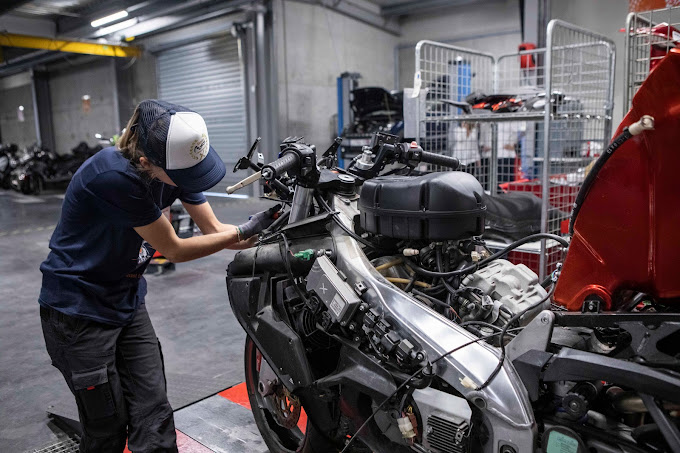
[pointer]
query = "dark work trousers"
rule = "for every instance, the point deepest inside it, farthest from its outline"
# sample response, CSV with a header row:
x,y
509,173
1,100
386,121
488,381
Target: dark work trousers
x,y
117,377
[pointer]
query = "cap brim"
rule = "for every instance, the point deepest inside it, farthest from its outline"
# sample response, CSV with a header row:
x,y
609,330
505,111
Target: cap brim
x,y
201,176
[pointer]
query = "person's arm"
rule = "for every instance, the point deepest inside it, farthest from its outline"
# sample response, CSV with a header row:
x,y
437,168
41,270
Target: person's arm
x,y
207,222
162,237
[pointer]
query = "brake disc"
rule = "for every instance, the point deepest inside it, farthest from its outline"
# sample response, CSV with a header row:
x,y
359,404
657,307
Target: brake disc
x,y
286,408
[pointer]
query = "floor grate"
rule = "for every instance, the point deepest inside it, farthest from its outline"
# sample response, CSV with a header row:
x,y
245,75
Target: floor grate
x,y
67,445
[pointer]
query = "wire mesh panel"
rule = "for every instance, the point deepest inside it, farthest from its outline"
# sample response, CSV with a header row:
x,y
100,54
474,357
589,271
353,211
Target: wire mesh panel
x,y
448,75
530,122
650,35
580,79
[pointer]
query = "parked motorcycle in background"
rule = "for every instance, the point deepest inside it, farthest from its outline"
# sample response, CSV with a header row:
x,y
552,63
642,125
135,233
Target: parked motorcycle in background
x,y
8,162
41,167
377,319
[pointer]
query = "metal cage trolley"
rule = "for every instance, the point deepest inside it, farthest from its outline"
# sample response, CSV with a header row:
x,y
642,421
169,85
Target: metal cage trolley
x,y
650,35
531,121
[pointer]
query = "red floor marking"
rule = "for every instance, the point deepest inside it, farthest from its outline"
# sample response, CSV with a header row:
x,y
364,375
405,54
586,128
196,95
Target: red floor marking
x,y
185,444
237,394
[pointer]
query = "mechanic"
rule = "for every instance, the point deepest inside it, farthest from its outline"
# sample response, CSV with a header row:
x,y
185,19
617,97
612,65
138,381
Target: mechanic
x,y
466,147
507,144
95,323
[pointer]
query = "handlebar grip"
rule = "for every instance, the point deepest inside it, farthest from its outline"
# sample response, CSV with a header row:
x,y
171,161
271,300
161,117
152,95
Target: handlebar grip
x,y
438,159
284,163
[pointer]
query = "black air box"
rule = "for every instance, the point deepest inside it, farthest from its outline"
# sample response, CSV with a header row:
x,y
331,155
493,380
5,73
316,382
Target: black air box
x,y
433,207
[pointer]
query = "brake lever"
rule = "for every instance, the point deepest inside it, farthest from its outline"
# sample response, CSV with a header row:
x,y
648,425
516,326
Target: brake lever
x,y
244,182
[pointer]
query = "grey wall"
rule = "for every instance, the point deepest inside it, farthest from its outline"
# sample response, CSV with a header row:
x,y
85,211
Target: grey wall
x,y
314,46
13,130
492,27
136,82
67,86
605,17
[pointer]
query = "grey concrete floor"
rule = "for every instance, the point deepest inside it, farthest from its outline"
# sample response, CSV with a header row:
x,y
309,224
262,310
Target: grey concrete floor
x,y
189,309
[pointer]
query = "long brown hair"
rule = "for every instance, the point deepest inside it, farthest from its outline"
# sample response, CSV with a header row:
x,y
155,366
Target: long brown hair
x,y
129,145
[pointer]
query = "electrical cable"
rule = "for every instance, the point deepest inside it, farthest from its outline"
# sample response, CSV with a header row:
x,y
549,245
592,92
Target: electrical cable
x,y
432,299
406,281
405,383
334,214
474,267
412,282
481,323
503,332
440,268
289,268
646,122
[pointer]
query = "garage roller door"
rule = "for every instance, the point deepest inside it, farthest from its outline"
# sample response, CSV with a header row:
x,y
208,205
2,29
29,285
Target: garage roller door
x,y
207,76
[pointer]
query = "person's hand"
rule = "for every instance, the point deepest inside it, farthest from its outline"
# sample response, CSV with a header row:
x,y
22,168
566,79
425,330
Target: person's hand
x,y
250,242
258,222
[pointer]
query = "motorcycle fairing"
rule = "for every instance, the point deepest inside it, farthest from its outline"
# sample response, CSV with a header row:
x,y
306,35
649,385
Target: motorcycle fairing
x,y
278,343
627,235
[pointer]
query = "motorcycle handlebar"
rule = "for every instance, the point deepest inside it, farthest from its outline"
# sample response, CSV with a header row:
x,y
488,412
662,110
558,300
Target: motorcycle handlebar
x,y
284,163
438,159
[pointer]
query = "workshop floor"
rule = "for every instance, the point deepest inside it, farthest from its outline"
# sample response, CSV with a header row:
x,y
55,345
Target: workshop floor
x,y
202,341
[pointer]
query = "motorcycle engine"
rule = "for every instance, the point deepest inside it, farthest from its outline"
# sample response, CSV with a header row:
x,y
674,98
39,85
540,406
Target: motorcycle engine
x,y
501,290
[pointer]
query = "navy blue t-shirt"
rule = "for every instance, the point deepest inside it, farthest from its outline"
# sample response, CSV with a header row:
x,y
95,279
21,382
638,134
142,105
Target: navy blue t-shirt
x,y
97,259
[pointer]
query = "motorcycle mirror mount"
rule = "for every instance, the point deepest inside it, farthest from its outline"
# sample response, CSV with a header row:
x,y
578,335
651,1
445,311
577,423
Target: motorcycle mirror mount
x,y
245,162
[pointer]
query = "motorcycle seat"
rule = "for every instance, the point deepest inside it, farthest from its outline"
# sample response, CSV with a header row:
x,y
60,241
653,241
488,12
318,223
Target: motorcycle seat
x,y
512,216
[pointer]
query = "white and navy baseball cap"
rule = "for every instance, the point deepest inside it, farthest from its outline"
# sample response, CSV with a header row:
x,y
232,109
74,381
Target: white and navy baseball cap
x,y
175,138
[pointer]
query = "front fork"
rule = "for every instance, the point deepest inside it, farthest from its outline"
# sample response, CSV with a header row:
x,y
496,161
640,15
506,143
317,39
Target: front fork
x,y
302,200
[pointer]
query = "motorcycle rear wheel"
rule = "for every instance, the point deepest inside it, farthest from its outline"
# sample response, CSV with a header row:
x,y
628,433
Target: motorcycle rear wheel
x,y
278,438
32,185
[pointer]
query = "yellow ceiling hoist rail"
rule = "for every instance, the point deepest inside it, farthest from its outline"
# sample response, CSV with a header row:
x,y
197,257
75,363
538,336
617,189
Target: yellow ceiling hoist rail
x,y
62,45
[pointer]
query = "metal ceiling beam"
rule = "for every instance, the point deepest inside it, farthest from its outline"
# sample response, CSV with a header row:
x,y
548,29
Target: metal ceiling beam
x,y
360,10
63,45
185,22
421,6
29,61
9,5
188,13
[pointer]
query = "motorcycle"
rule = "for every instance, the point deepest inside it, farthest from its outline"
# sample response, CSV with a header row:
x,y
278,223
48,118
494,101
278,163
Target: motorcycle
x,y
377,320
42,167
8,162
375,110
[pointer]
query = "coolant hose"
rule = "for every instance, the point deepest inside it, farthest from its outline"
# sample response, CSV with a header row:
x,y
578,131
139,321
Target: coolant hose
x,y
643,124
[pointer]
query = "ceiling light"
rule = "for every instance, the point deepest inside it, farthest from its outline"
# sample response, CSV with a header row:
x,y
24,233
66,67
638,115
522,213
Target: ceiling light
x,y
109,18
116,27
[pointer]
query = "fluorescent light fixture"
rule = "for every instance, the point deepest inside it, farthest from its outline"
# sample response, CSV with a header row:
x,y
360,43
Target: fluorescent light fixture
x,y
109,18
116,27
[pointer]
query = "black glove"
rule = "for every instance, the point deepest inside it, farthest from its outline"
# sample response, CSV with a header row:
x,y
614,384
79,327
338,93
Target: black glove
x,y
258,222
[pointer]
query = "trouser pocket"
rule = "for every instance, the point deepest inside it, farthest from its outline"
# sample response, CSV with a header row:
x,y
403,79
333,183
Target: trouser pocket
x,y
93,392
